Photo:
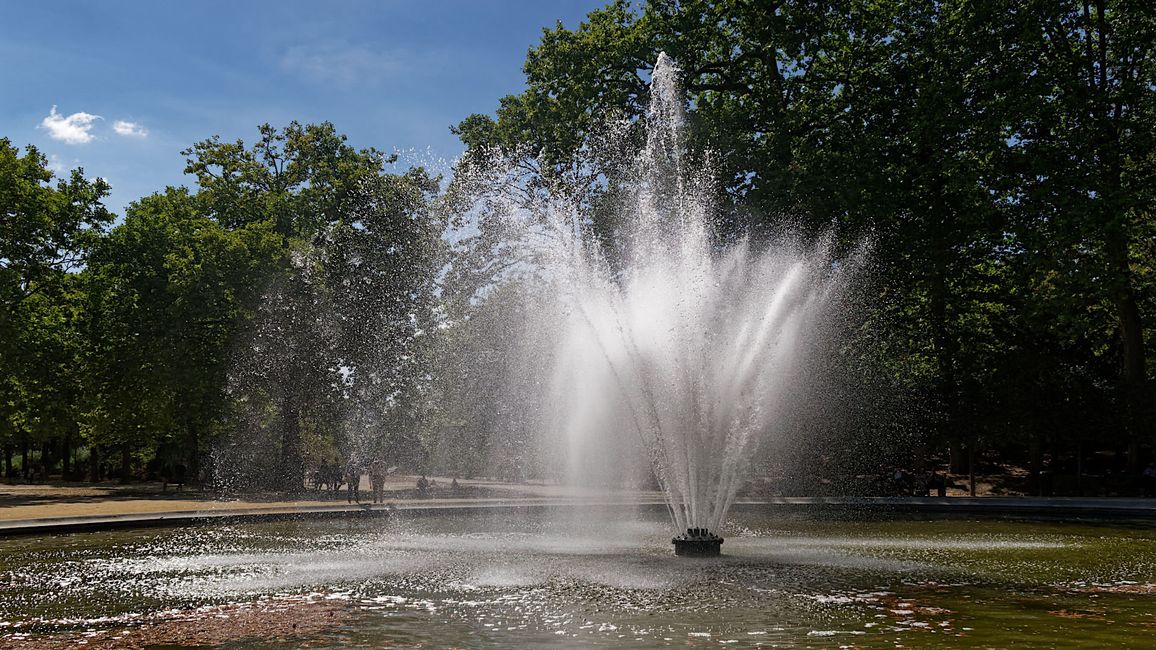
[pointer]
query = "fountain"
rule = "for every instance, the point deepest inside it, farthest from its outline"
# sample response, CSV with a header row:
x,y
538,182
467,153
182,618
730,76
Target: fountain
x,y
675,357
697,542
679,349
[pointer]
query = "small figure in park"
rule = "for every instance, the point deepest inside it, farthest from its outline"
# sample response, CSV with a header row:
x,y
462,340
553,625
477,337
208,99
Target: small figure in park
x,y
455,489
922,482
1148,480
903,483
178,477
377,474
353,478
422,486
937,483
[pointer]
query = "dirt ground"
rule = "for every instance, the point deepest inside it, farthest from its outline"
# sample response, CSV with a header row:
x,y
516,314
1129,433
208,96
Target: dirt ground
x,y
58,499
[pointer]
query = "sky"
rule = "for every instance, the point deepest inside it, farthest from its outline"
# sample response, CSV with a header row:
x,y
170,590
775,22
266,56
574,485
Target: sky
x,y
120,88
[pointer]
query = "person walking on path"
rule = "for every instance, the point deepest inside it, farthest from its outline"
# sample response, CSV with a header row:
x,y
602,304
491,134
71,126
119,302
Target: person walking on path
x,y
1148,480
353,478
377,473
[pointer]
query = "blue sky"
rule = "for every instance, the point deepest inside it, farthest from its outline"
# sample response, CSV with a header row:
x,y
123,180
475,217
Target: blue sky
x,y
134,82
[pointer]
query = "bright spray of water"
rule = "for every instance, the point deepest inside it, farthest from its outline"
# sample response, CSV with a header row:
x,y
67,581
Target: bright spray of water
x,y
691,348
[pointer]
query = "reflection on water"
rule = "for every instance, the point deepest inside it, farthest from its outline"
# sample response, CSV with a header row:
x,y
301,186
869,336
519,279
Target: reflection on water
x,y
532,579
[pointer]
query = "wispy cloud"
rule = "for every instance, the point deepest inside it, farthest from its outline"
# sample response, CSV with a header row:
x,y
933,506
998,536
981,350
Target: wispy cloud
x,y
129,129
344,63
55,164
71,129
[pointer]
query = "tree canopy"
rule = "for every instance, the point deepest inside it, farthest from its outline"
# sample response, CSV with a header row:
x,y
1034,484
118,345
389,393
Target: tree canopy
x,y
998,156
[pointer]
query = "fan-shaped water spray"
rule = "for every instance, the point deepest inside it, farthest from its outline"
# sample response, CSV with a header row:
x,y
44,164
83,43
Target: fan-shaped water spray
x,y
680,343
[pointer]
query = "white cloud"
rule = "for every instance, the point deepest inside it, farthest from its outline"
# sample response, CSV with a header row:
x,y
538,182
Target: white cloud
x,y
129,129
343,63
73,129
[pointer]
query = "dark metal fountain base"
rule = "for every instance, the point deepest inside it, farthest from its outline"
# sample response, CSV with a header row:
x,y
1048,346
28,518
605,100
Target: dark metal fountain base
x,y
698,542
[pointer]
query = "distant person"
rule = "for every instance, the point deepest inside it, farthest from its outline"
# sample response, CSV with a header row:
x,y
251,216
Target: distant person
x,y
1148,480
377,473
422,486
353,478
455,489
336,476
938,483
923,484
903,482
178,477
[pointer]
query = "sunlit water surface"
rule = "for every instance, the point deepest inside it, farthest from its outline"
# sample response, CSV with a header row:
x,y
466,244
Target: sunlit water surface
x,y
558,579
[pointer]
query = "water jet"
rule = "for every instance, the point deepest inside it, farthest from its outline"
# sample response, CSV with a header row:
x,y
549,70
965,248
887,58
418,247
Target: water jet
x,y
673,352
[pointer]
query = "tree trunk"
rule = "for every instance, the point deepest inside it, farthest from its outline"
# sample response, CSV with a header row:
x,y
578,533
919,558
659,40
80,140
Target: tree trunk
x,y
920,461
1113,215
194,459
957,462
24,469
94,463
292,464
1079,469
971,469
1035,466
1133,370
938,254
65,453
46,460
125,463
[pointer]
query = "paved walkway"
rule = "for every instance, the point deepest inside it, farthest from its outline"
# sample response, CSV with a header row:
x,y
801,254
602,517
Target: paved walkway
x,y
1090,507
65,507
65,512
37,501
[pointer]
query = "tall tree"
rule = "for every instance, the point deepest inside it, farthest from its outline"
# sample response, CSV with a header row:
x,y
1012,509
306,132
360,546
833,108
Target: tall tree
x,y
992,151
348,299
168,290
46,231
1089,132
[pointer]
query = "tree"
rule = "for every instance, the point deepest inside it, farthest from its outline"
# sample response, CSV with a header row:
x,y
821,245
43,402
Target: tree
x,y
299,179
345,304
45,232
997,154
43,383
46,229
168,291
1088,135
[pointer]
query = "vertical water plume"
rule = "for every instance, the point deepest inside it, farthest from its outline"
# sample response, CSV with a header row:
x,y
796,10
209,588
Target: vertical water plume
x,y
689,348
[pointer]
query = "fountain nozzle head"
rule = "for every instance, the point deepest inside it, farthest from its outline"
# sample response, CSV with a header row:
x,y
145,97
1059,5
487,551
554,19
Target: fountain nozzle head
x,y
697,542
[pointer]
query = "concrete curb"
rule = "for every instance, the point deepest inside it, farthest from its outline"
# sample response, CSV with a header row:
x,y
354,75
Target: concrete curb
x,y
992,507
62,525
1049,507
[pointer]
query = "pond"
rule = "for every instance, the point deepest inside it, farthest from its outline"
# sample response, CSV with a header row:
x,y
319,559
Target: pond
x,y
574,578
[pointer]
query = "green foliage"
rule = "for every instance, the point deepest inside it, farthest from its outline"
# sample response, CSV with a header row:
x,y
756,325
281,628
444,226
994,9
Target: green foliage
x,y
45,231
297,179
336,333
997,155
167,290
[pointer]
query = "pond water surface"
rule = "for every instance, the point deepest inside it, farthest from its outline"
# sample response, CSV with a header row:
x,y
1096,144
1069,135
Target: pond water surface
x,y
562,578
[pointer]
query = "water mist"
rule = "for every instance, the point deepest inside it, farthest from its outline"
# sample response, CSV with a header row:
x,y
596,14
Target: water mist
x,y
677,346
